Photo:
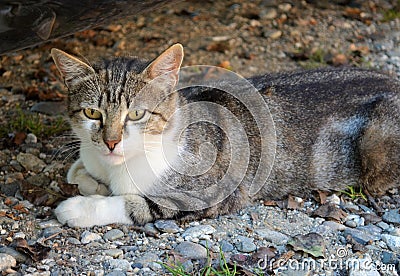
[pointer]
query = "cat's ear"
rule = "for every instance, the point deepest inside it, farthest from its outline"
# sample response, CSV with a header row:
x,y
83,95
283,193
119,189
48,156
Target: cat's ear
x,y
71,68
167,64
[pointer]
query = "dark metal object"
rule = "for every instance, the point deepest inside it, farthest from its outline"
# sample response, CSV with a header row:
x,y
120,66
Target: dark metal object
x,y
27,23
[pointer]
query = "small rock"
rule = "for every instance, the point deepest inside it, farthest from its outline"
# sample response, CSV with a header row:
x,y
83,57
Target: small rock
x,y
273,34
272,236
31,138
351,223
39,179
393,242
113,234
245,245
360,236
285,7
30,162
50,108
395,232
137,265
114,252
21,258
167,226
150,229
6,261
334,199
392,216
191,250
72,240
226,246
269,14
383,225
121,264
147,258
197,231
88,237
335,226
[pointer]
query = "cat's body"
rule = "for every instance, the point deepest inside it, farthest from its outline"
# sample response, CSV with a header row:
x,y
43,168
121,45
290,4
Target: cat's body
x,y
334,128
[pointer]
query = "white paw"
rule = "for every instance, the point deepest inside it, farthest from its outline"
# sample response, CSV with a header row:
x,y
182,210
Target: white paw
x,y
81,211
76,211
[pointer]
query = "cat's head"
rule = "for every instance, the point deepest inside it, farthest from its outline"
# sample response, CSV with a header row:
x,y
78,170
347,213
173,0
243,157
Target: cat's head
x,y
114,102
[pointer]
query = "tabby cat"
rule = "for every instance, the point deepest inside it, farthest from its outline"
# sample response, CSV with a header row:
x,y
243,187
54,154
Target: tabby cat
x,y
151,150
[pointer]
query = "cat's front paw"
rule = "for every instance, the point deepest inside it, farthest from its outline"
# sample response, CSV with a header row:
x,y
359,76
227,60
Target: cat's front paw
x,y
76,212
87,211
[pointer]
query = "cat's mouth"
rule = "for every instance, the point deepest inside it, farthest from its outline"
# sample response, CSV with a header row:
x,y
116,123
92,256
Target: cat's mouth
x,y
114,157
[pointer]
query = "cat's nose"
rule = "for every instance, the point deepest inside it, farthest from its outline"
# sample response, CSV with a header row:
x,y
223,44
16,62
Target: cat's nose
x,y
111,144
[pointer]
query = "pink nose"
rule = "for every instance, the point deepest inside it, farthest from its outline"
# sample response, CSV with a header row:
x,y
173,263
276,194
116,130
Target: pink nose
x,y
111,144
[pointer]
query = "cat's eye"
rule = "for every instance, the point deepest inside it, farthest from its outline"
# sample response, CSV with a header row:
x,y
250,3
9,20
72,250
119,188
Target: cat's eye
x,y
136,115
92,113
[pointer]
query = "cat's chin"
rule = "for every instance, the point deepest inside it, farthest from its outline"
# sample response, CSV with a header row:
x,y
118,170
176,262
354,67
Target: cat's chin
x,y
114,159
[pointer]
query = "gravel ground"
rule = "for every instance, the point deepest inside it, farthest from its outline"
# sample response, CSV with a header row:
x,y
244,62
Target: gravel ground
x,y
344,236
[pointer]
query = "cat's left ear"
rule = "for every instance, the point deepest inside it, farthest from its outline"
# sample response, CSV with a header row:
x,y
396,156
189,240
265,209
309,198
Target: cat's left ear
x,y
71,68
167,64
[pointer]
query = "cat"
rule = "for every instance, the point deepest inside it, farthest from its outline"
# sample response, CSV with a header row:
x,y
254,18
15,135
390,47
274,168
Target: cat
x,y
147,154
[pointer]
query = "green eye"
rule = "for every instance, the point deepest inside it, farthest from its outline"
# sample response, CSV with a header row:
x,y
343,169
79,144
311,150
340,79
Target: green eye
x,y
136,115
92,113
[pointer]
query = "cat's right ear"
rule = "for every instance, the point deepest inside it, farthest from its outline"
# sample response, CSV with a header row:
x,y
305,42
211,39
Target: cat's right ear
x,y
70,68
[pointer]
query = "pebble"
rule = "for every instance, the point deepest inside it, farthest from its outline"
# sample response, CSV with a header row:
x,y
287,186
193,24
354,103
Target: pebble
x,y
49,223
121,264
30,162
226,246
334,199
21,258
31,138
351,223
114,252
392,216
360,236
383,225
147,258
272,236
245,245
75,241
113,234
393,242
191,250
335,226
150,229
49,231
88,237
197,231
167,226
6,261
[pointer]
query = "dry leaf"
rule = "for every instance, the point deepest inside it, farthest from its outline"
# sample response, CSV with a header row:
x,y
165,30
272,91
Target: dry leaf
x,y
322,196
331,211
37,252
294,203
68,190
311,243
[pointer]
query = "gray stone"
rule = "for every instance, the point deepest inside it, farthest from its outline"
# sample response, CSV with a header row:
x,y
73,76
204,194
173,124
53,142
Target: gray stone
x,y
191,250
245,245
75,241
335,226
167,226
31,138
88,237
113,234
49,223
226,246
197,231
360,236
30,162
149,228
49,231
392,216
114,252
147,258
121,264
21,258
351,223
374,230
393,242
383,225
7,261
272,236
50,108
